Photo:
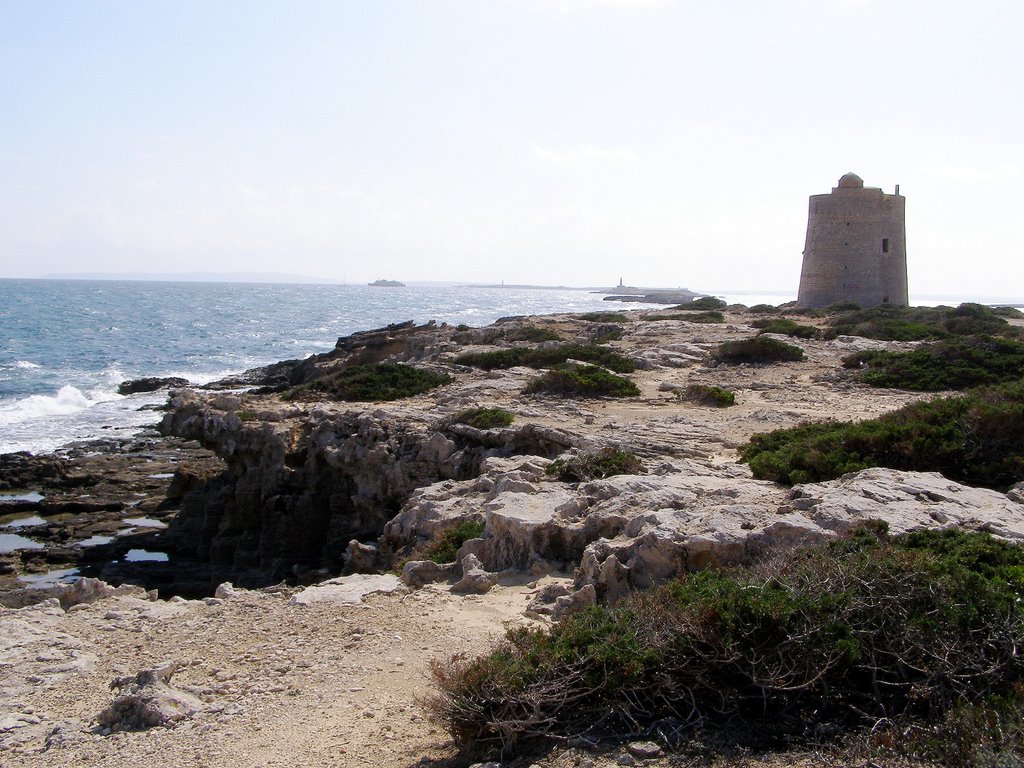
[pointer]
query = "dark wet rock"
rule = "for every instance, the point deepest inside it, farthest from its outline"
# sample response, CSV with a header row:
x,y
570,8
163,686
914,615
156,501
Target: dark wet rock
x,y
23,470
150,384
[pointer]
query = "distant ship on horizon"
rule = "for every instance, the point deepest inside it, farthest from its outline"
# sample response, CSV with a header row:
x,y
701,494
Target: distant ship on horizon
x,y
387,284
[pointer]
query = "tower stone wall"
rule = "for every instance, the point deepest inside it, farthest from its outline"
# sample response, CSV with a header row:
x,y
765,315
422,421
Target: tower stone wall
x,y
856,247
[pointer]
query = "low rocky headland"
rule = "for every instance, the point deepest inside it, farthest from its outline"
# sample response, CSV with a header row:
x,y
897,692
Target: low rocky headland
x,y
260,575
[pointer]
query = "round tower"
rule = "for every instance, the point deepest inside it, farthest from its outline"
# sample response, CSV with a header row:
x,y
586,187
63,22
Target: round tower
x,y
856,247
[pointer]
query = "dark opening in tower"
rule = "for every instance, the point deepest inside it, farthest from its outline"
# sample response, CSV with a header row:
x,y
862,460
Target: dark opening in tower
x,y
885,245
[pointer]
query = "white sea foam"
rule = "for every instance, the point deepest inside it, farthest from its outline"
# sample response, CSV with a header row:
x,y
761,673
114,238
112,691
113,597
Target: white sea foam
x,y
68,400
26,364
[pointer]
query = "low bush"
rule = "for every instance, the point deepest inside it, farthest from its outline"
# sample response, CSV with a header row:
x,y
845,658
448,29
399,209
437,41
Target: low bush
x,y
787,327
711,316
445,547
956,363
843,306
758,349
571,380
828,640
605,317
532,333
594,466
481,418
704,302
765,309
371,383
543,358
920,323
973,438
707,394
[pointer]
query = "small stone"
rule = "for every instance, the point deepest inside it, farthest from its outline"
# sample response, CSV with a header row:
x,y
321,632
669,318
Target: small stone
x,y
644,750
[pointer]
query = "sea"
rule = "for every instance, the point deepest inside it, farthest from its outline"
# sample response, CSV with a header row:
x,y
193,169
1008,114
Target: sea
x,y
66,345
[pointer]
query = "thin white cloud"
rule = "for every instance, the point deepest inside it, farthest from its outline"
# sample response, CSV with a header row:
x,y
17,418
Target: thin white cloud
x,y
582,6
583,153
974,174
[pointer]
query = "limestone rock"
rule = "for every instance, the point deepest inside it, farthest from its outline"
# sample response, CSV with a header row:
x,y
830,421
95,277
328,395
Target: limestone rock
x,y
417,573
907,501
88,590
347,589
475,578
569,604
148,701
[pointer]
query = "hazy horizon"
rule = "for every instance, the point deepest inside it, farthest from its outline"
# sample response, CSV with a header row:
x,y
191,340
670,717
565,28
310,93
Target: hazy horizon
x,y
666,143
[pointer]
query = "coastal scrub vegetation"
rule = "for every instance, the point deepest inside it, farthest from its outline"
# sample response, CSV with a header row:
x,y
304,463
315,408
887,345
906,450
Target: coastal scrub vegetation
x,y
955,363
532,333
756,350
543,358
892,323
765,309
707,394
574,380
595,465
704,302
481,418
375,382
605,317
787,327
871,631
974,438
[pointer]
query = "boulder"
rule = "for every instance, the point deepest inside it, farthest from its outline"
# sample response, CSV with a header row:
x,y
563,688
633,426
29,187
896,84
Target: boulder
x,y
418,573
148,700
475,578
348,589
150,384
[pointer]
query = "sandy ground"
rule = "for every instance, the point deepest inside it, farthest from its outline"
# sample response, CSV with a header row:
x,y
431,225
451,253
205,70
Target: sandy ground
x,y
281,684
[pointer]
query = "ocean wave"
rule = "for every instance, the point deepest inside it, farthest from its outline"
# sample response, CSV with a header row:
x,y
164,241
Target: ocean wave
x,y
68,400
26,364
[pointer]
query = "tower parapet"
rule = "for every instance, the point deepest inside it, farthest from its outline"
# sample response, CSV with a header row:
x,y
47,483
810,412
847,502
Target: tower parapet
x,y
856,247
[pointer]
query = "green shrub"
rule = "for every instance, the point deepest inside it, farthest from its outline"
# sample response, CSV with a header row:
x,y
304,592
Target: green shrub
x,y
919,323
973,438
532,333
445,547
711,316
758,349
707,394
787,327
765,309
843,306
704,302
594,466
843,635
373,383
605,317
571,380
245,415
481,418
955,363
543,358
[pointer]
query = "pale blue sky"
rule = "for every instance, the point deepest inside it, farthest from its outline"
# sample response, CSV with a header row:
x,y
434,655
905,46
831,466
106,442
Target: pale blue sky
x,y
541,141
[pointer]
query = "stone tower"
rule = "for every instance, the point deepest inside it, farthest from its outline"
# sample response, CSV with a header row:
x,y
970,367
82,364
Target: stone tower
x,y
856,247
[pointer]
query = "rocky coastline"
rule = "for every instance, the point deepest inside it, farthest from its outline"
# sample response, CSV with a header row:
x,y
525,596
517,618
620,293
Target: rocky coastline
x,y
251,484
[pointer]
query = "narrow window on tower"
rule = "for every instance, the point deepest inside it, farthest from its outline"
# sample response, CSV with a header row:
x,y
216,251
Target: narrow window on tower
x,y
885,245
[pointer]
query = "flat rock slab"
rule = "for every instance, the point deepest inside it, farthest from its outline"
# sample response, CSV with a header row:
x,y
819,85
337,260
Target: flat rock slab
x,y
348,589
